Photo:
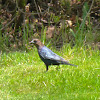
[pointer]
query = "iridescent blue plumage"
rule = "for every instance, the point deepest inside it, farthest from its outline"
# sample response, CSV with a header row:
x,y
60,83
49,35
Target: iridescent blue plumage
x,y
48,56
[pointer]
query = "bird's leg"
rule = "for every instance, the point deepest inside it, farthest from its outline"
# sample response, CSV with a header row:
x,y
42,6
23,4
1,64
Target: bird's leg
x,y
46,67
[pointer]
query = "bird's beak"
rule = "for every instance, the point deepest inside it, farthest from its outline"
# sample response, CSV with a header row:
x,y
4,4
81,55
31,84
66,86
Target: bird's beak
x,y
31,42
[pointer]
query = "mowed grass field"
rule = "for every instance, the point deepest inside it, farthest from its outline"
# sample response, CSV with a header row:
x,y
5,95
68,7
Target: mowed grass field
x,y
23,76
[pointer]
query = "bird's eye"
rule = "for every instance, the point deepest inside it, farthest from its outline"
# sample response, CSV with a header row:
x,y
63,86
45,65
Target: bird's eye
x,y
35,41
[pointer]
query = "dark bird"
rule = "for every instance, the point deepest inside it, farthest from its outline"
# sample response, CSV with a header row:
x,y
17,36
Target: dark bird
x,y
48,56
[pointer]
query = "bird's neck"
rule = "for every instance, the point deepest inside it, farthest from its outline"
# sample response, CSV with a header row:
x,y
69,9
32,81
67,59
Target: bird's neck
x,y
39,46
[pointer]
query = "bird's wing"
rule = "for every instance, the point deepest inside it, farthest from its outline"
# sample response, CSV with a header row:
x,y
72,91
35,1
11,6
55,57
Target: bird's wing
x,y
46,53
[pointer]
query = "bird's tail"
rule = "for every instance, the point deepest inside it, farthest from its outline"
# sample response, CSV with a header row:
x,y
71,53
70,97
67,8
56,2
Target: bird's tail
x,y
67,63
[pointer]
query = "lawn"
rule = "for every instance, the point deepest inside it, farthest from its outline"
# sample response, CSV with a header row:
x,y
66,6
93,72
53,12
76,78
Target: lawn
x,y
23,76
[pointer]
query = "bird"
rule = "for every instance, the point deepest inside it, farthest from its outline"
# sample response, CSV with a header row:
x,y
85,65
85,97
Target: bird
x,y
48,56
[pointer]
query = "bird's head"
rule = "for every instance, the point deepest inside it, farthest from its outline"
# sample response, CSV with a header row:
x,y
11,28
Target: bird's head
x,y
37,43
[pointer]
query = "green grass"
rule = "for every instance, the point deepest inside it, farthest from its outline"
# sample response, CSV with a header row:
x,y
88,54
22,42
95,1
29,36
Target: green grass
x,y
23,76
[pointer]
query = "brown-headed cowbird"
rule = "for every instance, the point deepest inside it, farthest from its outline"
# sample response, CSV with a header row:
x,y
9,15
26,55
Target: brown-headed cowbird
x,y
48,56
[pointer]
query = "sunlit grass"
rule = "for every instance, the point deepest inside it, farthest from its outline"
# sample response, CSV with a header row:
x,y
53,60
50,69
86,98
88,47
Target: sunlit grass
x,y
23,76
